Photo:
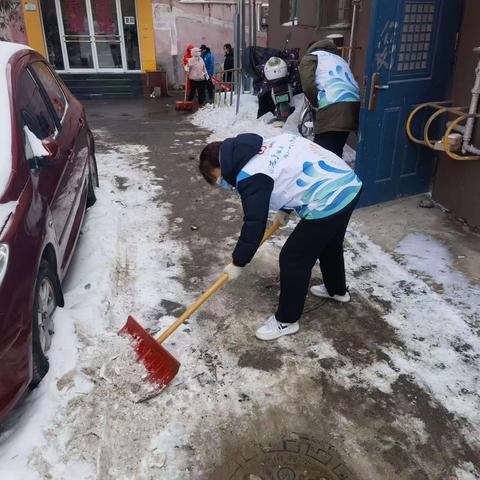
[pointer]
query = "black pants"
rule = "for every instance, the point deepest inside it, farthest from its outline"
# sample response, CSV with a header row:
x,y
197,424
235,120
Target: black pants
x,y
312,240
210,89
333,141
197,86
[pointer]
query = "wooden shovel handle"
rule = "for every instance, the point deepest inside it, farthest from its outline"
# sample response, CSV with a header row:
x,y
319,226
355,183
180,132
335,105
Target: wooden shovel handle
x,y
200,301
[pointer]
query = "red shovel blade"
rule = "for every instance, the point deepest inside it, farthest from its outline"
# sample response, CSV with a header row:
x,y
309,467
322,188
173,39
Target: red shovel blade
x,y
183,105
161,366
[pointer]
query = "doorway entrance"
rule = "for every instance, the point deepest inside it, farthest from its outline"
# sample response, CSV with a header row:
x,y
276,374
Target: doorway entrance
x,y
91,35
409,61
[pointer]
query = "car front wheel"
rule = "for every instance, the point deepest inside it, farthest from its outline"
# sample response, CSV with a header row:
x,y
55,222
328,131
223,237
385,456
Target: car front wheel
x,y
45,303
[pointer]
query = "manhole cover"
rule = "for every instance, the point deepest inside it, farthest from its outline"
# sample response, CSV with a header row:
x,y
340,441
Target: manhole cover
x,y
297,457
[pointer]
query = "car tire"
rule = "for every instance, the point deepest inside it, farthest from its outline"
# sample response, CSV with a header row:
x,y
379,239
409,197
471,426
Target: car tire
x,y
92,182
45,302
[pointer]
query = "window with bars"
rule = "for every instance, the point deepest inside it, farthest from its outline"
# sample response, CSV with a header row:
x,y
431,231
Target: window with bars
x,y
285,11
327,13
416,37
335,14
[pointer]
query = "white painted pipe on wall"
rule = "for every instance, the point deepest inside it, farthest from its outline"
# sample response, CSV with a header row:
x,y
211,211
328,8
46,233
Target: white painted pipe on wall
x,y
353,30
467,136
239,47
472,149
253,23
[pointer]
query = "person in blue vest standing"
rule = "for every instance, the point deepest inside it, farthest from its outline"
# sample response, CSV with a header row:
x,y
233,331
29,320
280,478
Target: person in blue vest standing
x,y
331,88
209,60
288,173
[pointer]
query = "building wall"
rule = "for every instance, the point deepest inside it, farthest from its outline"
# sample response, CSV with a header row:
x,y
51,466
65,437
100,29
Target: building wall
x,y
457,183
165,27
12,25
300,35
360,43
304,33
177,23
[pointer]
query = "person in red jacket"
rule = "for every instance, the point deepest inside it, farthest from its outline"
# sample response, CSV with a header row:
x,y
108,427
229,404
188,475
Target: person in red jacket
x,y
186,57
188,53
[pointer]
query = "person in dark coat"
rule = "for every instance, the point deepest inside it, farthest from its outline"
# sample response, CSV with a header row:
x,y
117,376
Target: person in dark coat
x,y
283,174
209,60
228,62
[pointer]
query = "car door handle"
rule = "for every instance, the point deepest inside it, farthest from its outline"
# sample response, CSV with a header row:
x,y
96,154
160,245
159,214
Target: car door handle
x,y
81,122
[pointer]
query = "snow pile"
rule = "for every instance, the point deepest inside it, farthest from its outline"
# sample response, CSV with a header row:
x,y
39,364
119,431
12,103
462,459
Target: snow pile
x,y
224,123
126,374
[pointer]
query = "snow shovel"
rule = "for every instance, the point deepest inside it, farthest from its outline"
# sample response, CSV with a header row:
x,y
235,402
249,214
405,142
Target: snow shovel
x,y
159,363
184,105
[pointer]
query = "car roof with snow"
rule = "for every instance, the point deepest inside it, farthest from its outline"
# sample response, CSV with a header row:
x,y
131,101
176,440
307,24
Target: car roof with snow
x,y
7,50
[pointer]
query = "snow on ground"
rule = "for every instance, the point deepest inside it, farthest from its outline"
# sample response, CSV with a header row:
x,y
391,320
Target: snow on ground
x,y
439,333
85,422
467,472
123,239
223,122
432,260
432,308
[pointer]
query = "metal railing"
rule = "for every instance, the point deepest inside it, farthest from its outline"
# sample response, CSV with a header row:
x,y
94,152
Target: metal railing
x,y
225,90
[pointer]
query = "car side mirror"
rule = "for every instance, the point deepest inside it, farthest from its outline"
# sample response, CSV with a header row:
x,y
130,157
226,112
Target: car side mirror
x,y
51,146
46,151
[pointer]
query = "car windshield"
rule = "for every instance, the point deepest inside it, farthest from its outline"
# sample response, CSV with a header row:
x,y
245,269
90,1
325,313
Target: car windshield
x,y
7,50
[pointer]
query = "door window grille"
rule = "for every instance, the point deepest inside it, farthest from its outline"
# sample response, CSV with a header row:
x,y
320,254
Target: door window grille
x,y
416,37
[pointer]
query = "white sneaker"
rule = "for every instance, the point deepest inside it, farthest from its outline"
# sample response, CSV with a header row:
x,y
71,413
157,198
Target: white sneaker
x,y
272,329
321,291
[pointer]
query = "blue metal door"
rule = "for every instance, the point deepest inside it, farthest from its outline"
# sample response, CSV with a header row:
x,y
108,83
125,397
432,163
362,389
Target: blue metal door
x,y
409,61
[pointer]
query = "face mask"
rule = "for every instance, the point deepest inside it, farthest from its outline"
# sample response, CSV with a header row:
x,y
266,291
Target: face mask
x,y
221,182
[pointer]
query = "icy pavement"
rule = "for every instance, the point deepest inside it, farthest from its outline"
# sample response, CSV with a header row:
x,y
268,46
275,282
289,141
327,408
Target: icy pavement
x,y
390,380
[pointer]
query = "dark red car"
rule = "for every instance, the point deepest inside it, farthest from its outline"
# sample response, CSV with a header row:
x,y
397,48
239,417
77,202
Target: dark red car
x,y
47,178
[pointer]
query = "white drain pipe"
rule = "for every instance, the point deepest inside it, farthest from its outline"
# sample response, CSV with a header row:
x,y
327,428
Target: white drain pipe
x,y
467,136
353,30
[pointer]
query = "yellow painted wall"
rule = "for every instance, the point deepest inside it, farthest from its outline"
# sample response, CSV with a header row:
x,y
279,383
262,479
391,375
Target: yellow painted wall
x,y
33,27
146,34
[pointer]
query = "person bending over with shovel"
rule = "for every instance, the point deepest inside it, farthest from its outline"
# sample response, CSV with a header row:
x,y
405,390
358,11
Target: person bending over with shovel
x,y
288,173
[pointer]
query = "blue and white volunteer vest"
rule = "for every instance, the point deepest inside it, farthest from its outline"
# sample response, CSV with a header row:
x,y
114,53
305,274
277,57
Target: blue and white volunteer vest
x,y
334,79
307,178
